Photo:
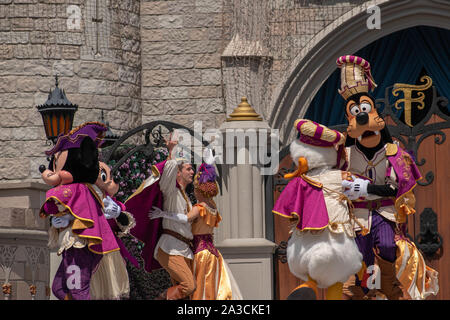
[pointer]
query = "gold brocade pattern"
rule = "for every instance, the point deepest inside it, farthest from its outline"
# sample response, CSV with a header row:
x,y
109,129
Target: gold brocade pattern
x,y
211,277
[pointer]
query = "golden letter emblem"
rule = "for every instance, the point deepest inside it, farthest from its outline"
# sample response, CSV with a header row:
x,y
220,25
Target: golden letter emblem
x,y
407,100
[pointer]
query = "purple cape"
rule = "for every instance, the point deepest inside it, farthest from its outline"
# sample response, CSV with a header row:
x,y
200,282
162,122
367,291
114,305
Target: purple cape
x,y
139,205
304,200
123,249
90,223
406,171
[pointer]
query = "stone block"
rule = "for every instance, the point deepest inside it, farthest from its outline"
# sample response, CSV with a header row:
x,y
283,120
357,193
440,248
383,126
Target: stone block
x,y
208,6
211,77
154,107
150,22
198,34
170,21
151,93
197,92
28,51
198,20
12,217
94,86
8,84
154,8
185,77
181,61
25,84
22,24
215,105
128,74
155,48
155,78
174,93
14,168
63,68
27,133
126,89
151,62
6,52
70,52
181,6
205,61
32,220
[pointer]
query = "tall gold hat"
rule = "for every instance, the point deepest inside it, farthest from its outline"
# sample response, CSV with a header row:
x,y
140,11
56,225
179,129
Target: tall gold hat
x,y
355,76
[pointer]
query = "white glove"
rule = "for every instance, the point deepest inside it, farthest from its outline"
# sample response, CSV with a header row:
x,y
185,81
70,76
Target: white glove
x,y
112,209
357,188
158,213
208,156
63,221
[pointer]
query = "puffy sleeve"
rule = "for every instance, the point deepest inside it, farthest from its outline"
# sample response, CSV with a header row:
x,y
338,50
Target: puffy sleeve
x,y
168,179
211,219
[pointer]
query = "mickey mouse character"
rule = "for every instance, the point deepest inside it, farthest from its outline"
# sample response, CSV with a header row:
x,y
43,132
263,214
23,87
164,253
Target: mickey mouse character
x,y
384,176
79,228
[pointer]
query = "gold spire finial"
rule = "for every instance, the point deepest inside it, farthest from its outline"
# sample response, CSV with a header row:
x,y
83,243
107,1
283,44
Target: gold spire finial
x,y
244,112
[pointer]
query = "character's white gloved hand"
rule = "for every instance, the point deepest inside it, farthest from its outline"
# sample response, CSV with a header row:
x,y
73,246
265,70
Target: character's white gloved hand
x,y
158,213
63,221
208,156
356,188
112,209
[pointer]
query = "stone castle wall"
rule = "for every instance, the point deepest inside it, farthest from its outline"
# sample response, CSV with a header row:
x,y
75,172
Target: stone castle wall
x,y
39,39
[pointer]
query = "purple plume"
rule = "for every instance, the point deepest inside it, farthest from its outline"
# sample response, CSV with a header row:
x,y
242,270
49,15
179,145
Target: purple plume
x,y
208,173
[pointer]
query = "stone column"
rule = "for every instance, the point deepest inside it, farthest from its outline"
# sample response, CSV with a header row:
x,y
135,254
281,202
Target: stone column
x,y
241,236
24,255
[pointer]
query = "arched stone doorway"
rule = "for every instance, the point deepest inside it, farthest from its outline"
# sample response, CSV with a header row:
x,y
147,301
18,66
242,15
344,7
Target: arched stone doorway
x,y
346,35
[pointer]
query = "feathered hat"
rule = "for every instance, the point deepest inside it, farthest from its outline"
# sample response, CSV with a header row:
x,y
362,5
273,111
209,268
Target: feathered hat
x,y
206,176
95,130
316,134
356,76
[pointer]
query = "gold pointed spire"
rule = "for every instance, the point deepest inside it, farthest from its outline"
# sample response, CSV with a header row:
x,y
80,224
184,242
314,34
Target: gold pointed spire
x,y
244,112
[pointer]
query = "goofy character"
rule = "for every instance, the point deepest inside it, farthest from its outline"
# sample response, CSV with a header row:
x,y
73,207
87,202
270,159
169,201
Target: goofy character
x,y
384,176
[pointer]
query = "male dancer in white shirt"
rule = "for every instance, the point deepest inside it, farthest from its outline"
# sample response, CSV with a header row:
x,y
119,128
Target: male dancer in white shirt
x,y
173,250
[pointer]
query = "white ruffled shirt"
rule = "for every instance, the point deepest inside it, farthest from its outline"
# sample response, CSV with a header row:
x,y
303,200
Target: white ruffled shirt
x,y
174,202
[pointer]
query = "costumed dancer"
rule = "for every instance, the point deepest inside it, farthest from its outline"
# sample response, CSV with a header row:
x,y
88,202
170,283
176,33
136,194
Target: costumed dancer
x,y
384,178
167,243
321,249
213,278
104,287
78,226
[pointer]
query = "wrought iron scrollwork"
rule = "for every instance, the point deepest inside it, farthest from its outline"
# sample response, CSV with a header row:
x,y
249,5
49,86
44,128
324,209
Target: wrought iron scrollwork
x,y
429,241
422,130
153,138
281,251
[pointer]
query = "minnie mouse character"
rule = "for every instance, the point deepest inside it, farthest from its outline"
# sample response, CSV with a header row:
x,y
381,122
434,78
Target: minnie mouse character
x,y
120,220
78,226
